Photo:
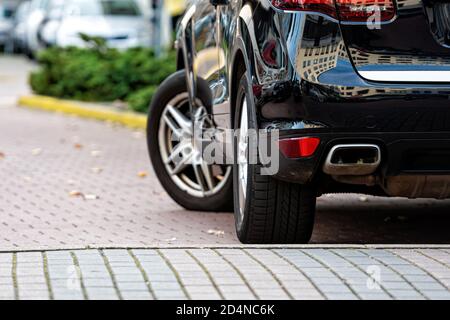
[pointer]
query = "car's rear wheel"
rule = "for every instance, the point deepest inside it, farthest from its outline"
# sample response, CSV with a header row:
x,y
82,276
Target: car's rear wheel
x,y
179,165
267,210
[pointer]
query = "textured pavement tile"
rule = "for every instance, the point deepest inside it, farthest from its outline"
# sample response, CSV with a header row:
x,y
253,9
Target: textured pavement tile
x,y
437,295
136,295
397,286
374,296
6,280
334,288
98,283
158,286
341,296
229,289
99,291
68,296
406,294
170,294
429,286
164,277
137,277
229,274
132,286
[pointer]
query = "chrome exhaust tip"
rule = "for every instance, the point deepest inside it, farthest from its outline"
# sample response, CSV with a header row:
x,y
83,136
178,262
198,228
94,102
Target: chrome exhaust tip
x,y
353,160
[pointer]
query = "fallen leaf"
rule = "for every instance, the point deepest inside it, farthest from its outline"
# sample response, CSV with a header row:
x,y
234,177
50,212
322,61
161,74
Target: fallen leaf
x,y
91,197
36,152
363,199
143,174
217,233
2,155
97,170
96,153
75,193
78,146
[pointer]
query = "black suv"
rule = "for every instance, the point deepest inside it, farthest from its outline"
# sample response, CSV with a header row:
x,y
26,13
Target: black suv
x,y
358,91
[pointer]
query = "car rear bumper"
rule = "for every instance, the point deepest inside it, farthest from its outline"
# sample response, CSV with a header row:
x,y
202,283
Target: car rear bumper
x,y
402,153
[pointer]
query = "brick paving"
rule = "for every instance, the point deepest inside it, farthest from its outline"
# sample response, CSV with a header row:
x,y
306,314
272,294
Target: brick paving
x,y
227,274
49,156
71,184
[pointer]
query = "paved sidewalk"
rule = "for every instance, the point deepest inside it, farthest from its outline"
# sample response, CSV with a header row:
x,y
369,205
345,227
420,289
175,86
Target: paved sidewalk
x,y
13,78
229,274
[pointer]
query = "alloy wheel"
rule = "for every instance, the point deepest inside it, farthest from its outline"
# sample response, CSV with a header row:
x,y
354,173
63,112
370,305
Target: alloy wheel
x,y
183,160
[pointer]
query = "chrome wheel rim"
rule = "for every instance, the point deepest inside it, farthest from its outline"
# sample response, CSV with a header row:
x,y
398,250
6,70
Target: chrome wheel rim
x,y
182,160
242,160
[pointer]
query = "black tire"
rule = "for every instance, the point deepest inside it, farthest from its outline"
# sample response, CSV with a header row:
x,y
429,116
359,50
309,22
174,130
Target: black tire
x,y
275,212
170,88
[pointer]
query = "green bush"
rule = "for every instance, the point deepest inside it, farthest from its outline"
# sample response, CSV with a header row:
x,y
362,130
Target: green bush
x,y
140,100
101,74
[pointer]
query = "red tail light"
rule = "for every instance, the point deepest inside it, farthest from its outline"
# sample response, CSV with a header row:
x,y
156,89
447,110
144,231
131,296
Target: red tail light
x,y
322,6
346,10
299,147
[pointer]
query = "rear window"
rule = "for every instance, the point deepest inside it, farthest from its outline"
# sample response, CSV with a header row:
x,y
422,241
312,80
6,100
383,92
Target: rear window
x,y
103,7
6,12
120,8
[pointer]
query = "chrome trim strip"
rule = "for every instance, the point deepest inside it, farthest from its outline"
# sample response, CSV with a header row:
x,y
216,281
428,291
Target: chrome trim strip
x,y
406,76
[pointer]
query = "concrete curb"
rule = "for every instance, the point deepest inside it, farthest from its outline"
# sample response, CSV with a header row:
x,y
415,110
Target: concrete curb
x,y
231,246
129,119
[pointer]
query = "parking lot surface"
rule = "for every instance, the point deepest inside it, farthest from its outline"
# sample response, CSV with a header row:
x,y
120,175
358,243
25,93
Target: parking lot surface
x,y
73,183
69,184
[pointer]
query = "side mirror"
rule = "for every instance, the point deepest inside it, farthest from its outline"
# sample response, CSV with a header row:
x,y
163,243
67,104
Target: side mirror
x,y
217,3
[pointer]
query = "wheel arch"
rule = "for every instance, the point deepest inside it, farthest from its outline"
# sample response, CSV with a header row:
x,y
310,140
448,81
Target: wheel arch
x,y
242,62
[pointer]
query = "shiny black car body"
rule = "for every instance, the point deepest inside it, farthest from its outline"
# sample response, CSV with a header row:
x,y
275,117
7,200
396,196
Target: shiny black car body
x,y
313,72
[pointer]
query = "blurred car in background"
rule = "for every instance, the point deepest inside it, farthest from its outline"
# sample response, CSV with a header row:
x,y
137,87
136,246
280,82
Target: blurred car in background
x,y
36,15
120,22
19,30
52,22
123,24
6,22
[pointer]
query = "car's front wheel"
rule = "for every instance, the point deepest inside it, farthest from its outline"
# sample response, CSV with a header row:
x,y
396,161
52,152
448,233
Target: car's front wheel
x,y
267,211
179,165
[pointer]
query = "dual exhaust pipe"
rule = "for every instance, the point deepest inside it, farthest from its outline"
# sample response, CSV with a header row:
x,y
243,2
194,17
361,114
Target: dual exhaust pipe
x,y
353,160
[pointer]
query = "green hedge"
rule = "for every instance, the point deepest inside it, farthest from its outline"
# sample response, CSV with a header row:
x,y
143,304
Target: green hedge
x,y
100,74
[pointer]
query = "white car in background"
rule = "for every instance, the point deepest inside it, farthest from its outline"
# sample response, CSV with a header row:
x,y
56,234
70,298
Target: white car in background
x,y
37,12
6,23
122,23
52,21
19,31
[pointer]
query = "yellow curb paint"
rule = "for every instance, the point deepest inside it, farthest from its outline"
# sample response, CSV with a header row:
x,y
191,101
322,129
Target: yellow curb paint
x,y
129,119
